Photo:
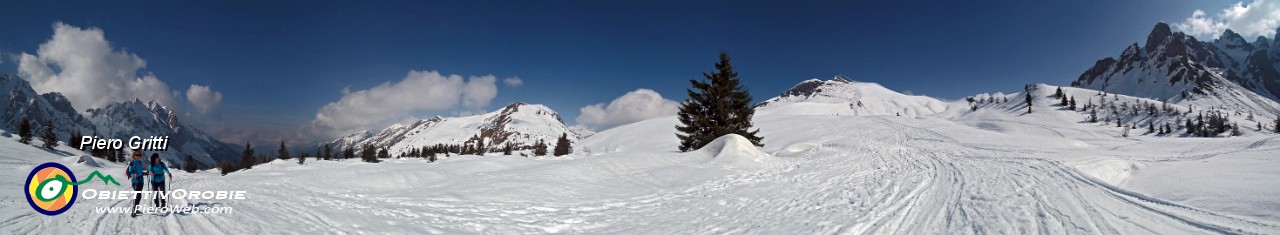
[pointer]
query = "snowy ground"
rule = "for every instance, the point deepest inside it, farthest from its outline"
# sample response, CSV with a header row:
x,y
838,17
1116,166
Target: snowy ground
x,y
1001,174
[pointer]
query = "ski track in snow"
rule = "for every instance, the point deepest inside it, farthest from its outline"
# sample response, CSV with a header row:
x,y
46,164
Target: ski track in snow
x,y
888,178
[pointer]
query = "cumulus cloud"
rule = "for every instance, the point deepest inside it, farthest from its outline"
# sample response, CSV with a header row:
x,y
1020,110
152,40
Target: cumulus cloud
x,y
83,66
513,82
479,91
392,102
634,106
204,99
1258,18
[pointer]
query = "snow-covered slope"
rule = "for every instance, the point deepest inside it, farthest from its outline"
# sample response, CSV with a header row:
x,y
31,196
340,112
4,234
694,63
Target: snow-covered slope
x,y
1110,108
20,100
996,170
894,175
145,119
520,124
1173,66
839,96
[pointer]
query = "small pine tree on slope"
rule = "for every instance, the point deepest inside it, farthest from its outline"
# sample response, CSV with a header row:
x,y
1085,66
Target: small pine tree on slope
x,y
24,130
562,145
48,137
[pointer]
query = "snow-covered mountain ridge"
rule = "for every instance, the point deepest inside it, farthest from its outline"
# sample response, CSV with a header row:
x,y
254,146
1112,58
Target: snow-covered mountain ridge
x,y
1172,66
519,124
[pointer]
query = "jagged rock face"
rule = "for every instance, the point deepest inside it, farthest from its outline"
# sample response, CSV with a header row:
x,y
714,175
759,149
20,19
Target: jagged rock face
x,y
1173,66
144,119
20,100
519,124
119,120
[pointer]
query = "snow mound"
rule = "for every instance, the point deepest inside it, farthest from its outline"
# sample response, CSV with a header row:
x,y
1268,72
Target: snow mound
x,y
735,151
1110,170
799,149
88,161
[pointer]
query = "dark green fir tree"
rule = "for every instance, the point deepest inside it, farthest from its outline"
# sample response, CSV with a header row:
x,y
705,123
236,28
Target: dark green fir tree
x,y
717,106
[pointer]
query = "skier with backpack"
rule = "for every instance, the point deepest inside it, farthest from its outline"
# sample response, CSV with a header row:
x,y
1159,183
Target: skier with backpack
x,y
135,172
157,171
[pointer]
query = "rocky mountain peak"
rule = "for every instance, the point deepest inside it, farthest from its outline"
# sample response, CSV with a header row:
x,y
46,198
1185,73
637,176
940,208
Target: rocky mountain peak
x,y
1160,34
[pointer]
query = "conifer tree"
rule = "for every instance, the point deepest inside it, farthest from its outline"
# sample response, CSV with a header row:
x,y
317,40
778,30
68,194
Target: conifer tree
x,y
562,145
1071,104
190,165
24,130
717,106
383,153
368,153
327,152
246,158
1028,101
540,149
225,168
1277,125
48,137
74,140
302,158
283,153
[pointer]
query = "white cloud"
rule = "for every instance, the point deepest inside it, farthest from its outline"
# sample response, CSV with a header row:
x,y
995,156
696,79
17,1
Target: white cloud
x,y
513,82
204,99
388,102
632,107
479,91
83,66
1258,18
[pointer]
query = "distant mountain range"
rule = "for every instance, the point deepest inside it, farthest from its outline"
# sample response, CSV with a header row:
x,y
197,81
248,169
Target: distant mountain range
x,y
1229,73
19,99
143,119
1175,67
118,120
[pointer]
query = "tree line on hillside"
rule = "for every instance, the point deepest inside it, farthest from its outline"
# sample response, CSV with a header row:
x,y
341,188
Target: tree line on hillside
x,y
373,154
1159,118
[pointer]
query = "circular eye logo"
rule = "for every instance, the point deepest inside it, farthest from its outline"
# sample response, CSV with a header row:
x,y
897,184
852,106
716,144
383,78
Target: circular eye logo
x,y
51,188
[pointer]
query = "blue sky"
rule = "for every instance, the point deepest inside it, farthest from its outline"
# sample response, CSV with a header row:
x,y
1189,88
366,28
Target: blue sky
x,y
277,63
